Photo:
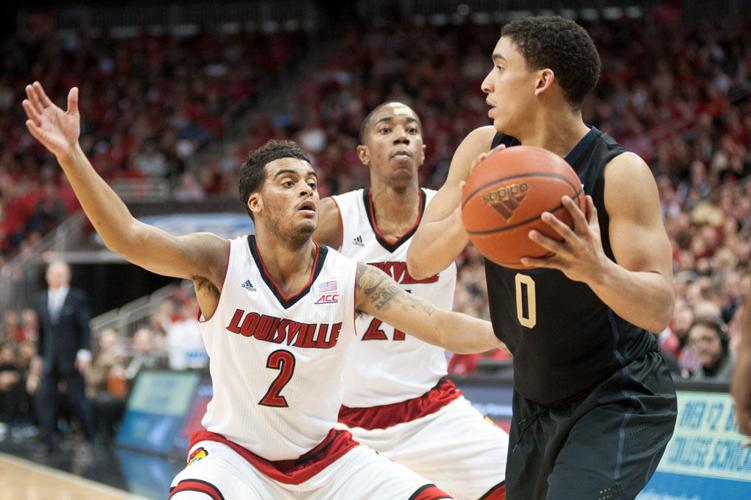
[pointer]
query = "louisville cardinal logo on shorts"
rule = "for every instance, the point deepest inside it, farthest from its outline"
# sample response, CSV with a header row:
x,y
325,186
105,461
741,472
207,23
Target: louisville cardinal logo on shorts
x,y
197,454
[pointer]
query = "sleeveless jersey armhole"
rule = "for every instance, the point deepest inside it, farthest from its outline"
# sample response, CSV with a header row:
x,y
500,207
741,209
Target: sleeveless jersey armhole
x,y
201,318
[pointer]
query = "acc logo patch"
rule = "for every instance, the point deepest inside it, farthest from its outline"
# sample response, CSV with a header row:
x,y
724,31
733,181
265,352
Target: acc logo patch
x,y
197,455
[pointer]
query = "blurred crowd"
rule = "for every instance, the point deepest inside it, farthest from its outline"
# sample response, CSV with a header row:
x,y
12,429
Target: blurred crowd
x,y
169,338
147,104
677,95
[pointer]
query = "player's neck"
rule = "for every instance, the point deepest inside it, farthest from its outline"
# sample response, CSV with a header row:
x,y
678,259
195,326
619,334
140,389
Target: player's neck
x,y
556,132
396,211
288,264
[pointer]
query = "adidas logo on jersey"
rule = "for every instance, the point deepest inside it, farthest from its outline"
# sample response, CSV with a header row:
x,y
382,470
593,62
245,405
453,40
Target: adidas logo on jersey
x,y
357,241
249,286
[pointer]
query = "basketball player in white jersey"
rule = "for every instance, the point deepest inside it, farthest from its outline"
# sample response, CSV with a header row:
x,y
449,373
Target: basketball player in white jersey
x,y
278,314
397,399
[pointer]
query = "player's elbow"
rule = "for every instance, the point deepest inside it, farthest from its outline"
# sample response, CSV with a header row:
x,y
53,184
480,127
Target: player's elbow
x,y
416,265
660,318
661,321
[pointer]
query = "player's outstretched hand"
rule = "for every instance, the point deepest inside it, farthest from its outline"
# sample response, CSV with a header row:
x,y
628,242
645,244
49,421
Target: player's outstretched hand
x,y
580,255
56,129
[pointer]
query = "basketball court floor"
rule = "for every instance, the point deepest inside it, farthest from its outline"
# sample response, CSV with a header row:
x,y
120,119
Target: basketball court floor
x,y
79,473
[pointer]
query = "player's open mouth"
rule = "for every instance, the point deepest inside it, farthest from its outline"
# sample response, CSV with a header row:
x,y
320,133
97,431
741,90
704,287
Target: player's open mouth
x,y
308,207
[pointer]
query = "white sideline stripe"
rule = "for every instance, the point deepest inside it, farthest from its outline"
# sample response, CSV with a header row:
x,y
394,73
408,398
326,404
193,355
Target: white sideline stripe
x,y
66,476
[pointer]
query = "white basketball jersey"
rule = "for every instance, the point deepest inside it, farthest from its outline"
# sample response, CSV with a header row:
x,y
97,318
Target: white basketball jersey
x,y
276,362
384,365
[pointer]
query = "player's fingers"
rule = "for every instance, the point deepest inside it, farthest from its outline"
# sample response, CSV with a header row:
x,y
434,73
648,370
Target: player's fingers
x,y
478,160
558,225
73,101
551,262
484,155
35,131
580,222
31,112
592,212
42,95
546,243
34,99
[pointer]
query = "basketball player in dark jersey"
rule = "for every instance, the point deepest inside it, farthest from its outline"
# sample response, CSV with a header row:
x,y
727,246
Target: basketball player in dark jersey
x,y
594,404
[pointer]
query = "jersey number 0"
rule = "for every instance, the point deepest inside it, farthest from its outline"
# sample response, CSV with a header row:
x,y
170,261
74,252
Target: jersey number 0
x,y
526,301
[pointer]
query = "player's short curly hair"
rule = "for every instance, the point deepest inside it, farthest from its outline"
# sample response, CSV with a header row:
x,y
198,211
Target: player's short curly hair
x,y
563,46
369,118
253,170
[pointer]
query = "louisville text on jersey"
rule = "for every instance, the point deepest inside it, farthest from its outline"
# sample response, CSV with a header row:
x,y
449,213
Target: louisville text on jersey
x,y
284,331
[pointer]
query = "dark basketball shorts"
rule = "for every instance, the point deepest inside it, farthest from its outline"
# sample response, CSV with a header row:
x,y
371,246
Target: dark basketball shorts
x,y
605,445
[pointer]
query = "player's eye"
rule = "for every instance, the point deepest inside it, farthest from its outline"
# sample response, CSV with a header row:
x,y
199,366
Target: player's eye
x,y
384,131
412,130
288,184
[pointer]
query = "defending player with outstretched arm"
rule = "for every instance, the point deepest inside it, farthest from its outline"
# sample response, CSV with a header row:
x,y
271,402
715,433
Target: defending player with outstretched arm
x,y
290,393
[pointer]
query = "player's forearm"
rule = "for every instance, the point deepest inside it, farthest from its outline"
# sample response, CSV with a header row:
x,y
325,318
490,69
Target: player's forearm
x,y
106,211
644,299
381,297
463,334
435,245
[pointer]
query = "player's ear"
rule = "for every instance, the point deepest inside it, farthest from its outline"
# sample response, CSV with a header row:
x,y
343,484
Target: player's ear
x,y
255,203
422,154
545,79
363,154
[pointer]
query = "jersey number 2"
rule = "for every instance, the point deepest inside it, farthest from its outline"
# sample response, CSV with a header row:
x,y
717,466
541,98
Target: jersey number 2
x,y
526,301
284,361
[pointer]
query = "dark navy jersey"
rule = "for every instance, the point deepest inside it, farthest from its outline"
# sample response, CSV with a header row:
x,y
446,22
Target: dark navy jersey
x,y
564,339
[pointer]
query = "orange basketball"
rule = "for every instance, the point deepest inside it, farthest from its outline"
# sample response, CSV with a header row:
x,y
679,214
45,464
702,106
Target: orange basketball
x,y
505,195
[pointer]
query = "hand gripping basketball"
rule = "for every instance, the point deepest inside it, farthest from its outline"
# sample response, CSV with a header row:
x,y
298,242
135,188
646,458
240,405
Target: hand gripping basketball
x,y
505,196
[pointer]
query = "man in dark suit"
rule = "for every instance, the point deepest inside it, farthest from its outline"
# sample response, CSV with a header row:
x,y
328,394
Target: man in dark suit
x,y
64,342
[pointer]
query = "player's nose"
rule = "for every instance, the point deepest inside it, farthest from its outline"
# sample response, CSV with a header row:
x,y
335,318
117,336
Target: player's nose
x,y
485,85
401,136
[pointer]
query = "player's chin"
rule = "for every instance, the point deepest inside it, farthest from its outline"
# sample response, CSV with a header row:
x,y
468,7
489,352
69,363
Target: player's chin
x,y
307,227
499,123
403,177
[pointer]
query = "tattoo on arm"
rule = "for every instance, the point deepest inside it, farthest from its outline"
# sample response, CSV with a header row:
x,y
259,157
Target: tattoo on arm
x,y
382,291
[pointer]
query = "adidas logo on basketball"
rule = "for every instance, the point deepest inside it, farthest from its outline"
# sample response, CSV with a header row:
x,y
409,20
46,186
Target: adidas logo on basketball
x,y
357,241
248,286
506,199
